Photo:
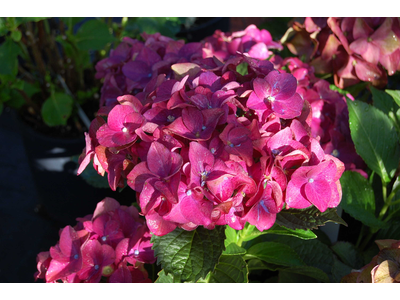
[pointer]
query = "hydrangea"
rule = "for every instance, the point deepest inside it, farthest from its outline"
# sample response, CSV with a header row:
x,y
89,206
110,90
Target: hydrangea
x,y
111,245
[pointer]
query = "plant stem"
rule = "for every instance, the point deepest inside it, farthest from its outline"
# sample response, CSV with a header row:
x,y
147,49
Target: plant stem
x,y
360,235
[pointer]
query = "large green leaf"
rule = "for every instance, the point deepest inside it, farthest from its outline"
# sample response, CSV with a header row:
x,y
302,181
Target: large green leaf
x,y
349,254
358,199
9,51
395,94
234,249
307,218
57,109
274,253
339,270
93,35
250,232
375,138
230,269
189,255
302,274
383,101
312,252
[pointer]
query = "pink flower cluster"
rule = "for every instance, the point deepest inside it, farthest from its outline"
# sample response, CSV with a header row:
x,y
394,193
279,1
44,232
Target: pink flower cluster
x,y
203,144
329,114
353,49
112,245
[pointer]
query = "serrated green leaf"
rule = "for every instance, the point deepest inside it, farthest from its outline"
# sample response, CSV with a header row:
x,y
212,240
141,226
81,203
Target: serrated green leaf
x,y
358,199
230,269
375,138
339,270
189,255
313,252
57,109
307,218
301,274
163,278
395,95
93,35
274,253
9,52
349,254
231,236
258,264
233,249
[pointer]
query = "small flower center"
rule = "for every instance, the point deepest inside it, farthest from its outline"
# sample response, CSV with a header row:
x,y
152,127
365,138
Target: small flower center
x,y
124,129
335,153
76,256
310,180
213,150
104,238
170,118
136,252
96,267
188,193
271,98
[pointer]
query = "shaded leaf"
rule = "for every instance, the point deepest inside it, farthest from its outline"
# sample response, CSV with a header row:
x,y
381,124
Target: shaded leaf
x,y
274,253
349,254
230,269
189,255
313,252
93,35
358,199
231,236
9,51
307,218
339,270
302,274
375,138
395,94
57,109
383,101
258,264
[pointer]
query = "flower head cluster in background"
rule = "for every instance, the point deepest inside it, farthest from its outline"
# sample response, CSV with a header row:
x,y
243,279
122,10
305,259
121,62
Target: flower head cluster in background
x,y
112,245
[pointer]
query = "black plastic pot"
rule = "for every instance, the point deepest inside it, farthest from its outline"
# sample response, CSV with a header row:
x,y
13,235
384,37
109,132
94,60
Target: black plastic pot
x,y
204,27
63,196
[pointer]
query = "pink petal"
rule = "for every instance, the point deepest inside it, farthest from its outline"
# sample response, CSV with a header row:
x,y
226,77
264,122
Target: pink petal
x,y
318,193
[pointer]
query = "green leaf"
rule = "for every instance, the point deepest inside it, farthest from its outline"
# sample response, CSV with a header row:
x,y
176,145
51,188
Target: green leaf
x,y
234,249
163,278
3,26
16,35
307,218
312,252
9,51
339,270
395,94
57,109
375,138
250,232
22,20
358,199
274,253
242,68
93,35
230,269
349,254
189,255
383,101
302,274
167,26
231,236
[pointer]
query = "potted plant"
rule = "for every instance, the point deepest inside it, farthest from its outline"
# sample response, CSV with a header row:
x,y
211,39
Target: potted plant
x,y
238,156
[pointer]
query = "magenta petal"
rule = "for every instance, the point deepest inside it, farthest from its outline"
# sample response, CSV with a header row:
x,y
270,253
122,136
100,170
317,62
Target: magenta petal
x,y
136,70
193,119
161,161
117,115
138,176
318,193
69,242
158,225
123,138
104,206
196,209
121,275
104,135
261,214
282,85
288,108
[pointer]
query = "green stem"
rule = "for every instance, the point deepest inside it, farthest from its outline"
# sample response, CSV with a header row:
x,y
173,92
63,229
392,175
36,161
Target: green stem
x,y
391,215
